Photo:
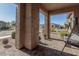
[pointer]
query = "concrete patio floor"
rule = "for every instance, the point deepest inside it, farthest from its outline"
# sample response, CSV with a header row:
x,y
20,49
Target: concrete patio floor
x,y
50,47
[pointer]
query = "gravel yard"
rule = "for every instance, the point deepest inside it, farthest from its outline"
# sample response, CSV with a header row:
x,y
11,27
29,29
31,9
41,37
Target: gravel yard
x,y
50,47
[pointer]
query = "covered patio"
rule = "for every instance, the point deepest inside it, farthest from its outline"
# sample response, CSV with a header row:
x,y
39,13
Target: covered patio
x,y
27,22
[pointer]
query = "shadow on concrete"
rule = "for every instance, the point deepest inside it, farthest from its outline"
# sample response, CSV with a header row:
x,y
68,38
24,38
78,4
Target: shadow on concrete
x,y
73,47
44,51
42,43
56,39
7,46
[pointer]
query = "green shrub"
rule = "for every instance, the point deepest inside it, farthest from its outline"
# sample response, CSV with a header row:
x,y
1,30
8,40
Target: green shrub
x,y
62,34
13,35
53,30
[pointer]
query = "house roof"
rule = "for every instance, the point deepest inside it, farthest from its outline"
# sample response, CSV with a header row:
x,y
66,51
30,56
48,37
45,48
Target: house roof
x,y
3,22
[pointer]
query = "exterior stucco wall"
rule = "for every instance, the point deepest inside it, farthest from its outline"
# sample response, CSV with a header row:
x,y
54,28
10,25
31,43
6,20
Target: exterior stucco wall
x,y
32,26
76,14
27,26
20,26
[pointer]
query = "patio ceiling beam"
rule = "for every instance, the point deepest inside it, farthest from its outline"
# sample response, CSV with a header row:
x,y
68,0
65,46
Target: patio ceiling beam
x,y
62,10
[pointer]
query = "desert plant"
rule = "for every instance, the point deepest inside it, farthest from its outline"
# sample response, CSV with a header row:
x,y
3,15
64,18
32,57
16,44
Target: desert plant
x,y
53,30
63,33
13,35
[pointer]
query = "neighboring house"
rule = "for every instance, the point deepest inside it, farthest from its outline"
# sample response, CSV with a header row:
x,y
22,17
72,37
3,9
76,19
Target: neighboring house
x,y
4,25
58,26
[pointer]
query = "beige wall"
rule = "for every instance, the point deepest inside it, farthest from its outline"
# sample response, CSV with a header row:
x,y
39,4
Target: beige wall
x,y
27,26
20,26
32,26
76,14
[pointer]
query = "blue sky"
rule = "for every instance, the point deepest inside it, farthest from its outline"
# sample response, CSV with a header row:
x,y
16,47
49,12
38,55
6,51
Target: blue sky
x,y
8,13
57,19
41,18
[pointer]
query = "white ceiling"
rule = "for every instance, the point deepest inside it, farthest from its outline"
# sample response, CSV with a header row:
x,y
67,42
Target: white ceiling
x,y
54,6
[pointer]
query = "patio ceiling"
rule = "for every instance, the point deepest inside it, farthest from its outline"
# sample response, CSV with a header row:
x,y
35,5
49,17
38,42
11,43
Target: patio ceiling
x,y
55,6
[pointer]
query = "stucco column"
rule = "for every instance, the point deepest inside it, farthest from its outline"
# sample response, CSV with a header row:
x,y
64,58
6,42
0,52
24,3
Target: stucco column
x,y
32,26
47,25
20,25
76,14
